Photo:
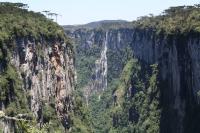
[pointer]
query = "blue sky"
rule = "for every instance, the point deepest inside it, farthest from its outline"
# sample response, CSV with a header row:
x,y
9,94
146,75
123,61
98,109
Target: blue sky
x,y
84,11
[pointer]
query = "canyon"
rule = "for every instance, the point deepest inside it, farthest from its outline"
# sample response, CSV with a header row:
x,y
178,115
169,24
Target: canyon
x,y
176,56
108,76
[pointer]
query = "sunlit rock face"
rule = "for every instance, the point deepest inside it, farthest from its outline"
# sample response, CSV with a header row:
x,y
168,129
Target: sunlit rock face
x,y
46,69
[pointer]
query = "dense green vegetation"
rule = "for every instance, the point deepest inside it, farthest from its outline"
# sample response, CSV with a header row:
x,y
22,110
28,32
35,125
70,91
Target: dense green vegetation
x,y
181,19
115,66
101,116
137,108
11,85
85,63
81,117
130,104
16,21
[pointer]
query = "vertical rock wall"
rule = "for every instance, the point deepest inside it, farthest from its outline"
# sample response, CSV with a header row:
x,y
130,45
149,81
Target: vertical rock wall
x,y
47,71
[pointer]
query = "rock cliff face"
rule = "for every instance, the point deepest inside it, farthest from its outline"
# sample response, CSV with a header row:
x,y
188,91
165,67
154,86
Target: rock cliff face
x,y
47,75
36,72
177,57
110,45
47,71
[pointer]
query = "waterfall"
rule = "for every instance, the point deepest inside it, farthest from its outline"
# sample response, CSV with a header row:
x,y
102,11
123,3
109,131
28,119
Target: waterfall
x,y
104,64
102,68
99,83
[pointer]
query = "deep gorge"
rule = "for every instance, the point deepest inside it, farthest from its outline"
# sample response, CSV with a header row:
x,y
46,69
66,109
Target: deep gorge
x,y
176,56
108,76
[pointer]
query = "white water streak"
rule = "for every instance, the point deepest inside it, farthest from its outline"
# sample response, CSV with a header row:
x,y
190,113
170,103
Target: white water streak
x,y
102,68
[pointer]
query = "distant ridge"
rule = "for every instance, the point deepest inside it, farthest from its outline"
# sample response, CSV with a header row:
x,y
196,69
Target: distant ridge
x,y
99,24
